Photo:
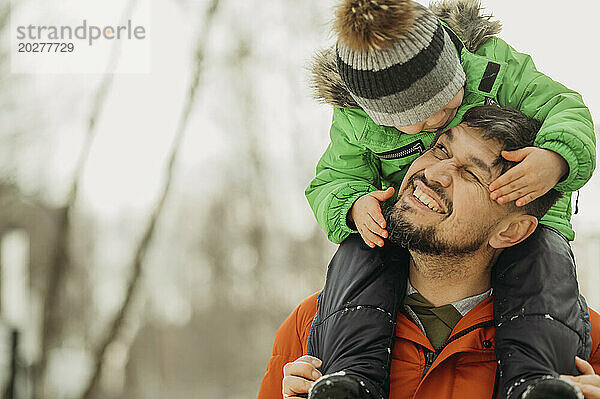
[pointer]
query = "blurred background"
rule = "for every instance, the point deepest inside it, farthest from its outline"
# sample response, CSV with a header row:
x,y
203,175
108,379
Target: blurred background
x,y
153,227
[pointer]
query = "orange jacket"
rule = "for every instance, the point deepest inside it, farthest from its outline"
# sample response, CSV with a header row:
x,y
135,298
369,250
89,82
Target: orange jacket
x,y
465,368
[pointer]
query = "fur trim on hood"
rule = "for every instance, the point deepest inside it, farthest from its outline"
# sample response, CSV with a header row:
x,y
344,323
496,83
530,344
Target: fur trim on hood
x,y
467,20
465,17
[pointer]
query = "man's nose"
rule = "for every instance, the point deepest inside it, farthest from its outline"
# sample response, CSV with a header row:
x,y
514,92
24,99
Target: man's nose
x,y
439,172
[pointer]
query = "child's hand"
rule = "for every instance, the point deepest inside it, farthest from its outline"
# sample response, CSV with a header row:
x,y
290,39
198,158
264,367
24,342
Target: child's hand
x,y
588,382
366,215
299,375
537,172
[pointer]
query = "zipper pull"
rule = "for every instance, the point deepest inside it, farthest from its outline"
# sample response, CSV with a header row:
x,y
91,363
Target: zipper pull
x,y
429,359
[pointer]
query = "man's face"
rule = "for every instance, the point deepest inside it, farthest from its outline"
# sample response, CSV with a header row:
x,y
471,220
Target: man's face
x,y
444,205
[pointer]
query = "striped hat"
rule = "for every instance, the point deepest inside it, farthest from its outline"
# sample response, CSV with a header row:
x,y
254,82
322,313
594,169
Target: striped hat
x,y
396,59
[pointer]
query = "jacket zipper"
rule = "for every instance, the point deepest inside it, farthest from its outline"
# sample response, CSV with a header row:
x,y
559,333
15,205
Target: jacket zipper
x,y
376,173
414,148
431,356
460,334
429,359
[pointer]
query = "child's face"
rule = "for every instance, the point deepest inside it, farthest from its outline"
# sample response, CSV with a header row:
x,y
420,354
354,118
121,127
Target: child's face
x,y
437,120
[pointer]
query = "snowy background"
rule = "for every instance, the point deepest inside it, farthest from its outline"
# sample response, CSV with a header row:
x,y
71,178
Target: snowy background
x,y
119,291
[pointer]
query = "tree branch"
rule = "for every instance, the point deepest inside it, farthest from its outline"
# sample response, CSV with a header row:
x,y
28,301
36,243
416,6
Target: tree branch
x,y
60,260
144,243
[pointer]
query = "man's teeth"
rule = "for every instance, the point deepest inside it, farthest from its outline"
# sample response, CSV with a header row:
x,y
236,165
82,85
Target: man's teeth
x,y
426,200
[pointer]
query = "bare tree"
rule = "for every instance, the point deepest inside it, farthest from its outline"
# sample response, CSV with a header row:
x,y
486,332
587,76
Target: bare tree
x,y
59,266
142,248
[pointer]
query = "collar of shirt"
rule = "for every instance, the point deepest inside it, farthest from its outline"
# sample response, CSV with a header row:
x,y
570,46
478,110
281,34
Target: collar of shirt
x,y
463,306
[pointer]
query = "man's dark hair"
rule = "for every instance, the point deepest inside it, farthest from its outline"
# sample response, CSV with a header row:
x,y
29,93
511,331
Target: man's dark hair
x,y
513,130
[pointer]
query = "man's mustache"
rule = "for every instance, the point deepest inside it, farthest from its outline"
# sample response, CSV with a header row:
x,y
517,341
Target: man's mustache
x,y
435,187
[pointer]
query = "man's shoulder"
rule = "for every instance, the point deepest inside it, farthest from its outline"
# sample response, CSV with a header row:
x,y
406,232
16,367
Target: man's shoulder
x,y
308,307
290,343
292,335
305,314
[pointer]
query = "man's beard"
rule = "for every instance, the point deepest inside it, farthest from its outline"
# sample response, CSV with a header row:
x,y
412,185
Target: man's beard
x,y
402,232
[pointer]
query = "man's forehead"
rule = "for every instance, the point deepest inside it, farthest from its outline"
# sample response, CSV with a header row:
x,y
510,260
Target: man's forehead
x,y
474,148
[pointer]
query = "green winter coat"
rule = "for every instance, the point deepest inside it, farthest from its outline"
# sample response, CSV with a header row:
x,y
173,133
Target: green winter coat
x,y
363,157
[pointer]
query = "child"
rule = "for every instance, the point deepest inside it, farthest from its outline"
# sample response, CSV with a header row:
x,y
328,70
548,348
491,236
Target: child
x,y
399,74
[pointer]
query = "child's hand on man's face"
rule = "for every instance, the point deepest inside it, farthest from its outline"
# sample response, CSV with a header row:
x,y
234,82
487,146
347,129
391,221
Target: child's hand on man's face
x,y
366,215
537,171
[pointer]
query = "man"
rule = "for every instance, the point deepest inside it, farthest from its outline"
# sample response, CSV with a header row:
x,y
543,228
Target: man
x,y
454,233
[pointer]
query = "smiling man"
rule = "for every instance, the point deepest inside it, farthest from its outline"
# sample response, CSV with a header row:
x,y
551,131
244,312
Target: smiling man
x,y
448,234
441,214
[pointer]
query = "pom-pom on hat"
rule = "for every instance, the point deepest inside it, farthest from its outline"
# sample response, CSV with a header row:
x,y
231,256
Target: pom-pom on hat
x,y
396,59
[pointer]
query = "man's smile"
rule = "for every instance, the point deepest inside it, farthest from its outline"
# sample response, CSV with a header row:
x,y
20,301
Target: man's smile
x,y
425,197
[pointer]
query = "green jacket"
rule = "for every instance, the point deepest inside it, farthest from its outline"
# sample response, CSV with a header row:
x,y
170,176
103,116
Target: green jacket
x,y
363,157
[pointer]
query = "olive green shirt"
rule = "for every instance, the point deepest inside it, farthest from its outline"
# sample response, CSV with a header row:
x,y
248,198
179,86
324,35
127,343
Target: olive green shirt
x,y
437,322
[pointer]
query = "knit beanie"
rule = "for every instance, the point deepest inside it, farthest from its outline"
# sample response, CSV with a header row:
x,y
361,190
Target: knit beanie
x,y
396,59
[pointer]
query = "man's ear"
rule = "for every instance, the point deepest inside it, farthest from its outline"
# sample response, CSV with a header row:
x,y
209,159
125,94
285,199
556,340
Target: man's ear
x,y
513,230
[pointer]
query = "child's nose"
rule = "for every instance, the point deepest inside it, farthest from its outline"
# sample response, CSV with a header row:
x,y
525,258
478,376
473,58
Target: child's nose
x,y
435,119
